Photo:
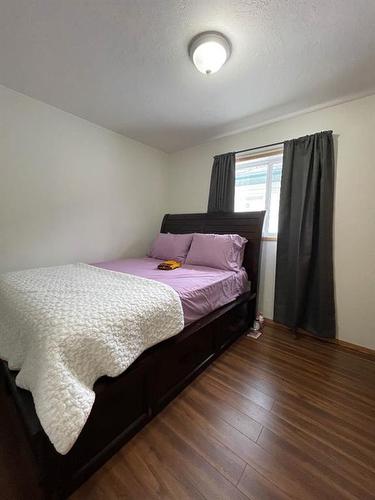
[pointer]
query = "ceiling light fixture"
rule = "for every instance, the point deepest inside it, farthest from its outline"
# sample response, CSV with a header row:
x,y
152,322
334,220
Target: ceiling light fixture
x,y
209,51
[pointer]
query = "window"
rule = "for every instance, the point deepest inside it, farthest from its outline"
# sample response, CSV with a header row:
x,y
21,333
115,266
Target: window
x,y
258,178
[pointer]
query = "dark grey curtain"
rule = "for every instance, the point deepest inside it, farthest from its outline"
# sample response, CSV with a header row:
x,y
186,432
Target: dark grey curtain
x,y
221,197
304,293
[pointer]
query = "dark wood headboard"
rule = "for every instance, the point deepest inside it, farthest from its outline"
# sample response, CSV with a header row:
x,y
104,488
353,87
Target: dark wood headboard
x,y
246,224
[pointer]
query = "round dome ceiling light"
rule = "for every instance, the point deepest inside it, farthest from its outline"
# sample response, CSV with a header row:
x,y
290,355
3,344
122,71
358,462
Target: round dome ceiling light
x,y
209,51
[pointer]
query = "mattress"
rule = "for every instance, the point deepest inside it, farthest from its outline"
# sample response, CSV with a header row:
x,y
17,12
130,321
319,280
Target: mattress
x,y
201,289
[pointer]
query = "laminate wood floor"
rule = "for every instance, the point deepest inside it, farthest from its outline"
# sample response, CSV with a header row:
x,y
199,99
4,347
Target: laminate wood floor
x,y
272,418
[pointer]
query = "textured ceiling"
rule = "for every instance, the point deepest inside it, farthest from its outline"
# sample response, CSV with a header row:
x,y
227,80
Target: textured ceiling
x,y
123,63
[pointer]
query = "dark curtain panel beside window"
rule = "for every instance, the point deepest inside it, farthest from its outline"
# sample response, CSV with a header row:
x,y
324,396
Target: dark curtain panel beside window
x,y
221,197
304,293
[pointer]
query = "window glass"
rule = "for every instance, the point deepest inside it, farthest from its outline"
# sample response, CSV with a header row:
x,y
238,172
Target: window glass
x,y
258,179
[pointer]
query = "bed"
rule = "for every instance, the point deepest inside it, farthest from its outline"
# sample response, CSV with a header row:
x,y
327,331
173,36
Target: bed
x,y
201,289
125,403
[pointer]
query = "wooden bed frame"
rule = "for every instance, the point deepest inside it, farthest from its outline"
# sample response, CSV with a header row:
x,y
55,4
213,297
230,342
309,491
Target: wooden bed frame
x,y
126,403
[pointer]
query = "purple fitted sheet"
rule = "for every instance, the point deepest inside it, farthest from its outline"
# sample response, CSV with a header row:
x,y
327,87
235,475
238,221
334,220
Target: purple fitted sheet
x,y
201,289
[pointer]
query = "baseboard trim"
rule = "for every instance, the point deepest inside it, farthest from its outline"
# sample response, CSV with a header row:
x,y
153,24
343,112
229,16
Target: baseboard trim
x,y
341,343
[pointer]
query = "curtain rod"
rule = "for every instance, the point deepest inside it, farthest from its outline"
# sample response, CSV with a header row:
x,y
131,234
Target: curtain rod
x,y
258,147
270,145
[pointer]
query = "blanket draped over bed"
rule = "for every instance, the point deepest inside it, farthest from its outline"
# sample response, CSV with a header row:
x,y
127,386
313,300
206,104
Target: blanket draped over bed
x,y
64,327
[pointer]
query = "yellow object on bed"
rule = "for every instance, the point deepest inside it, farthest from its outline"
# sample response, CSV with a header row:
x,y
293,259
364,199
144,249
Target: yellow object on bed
x,y
169,265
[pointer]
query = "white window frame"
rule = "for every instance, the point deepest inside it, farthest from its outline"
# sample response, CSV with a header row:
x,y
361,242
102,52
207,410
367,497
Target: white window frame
x,y
241,158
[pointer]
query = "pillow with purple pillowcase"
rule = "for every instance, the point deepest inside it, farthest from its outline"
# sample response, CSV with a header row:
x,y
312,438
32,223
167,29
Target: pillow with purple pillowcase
x,y
168,246
221,251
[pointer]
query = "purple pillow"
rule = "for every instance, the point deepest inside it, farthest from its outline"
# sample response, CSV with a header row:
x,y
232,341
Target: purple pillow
x,y
171,246
221,251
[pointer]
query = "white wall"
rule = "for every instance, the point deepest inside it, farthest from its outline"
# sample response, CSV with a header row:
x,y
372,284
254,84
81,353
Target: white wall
x,y
70,190
354,232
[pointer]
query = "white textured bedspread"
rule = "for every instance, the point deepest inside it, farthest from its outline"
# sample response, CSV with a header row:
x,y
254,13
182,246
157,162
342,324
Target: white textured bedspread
x,y
64,327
